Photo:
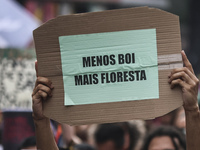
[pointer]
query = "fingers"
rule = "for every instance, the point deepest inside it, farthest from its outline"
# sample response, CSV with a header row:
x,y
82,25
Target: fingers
x,y
186,61
40,95
43,88
178,82
183,77
36,68
183,73
44,81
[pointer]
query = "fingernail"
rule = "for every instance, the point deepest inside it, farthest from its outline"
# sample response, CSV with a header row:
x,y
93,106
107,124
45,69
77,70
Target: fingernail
x,y
52,86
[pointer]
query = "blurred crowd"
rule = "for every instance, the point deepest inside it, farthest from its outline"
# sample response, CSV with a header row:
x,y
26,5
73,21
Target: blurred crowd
x,y
166,132
131,135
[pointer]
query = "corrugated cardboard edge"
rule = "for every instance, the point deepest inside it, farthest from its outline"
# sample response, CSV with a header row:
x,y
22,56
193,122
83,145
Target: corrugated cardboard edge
x,y
48,56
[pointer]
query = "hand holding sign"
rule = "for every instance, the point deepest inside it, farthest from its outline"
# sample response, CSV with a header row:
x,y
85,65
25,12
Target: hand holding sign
x,y
43,89
189,83
44,136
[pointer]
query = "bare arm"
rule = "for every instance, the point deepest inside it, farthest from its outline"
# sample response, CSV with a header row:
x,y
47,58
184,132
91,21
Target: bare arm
x,y
186,78
44,136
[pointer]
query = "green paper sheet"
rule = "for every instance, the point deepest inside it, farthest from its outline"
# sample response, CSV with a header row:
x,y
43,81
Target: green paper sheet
x,y
109,67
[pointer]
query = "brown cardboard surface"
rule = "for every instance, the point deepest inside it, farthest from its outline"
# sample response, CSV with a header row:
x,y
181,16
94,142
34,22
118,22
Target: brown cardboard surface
x,y
49,63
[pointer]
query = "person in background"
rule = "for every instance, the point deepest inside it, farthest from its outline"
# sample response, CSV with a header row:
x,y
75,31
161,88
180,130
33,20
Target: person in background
x,y
183,77
109,136
165,138
116,136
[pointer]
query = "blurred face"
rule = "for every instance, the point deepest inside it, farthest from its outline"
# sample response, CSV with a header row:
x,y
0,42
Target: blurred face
x,y
161,143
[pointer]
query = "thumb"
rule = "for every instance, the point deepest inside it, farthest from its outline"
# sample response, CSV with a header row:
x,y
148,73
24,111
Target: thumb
x,y
36,68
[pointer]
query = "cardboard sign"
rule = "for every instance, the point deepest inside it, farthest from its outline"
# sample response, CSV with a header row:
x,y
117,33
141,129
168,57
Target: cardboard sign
x,y
112,66
109,66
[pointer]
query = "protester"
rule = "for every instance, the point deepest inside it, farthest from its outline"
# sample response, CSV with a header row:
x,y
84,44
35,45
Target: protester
x,y
163,138
116,136
109,137
183,77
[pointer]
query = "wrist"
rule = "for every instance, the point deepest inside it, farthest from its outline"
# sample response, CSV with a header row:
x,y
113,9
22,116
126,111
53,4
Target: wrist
x,y
195,108
38,118
43,123
191,107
